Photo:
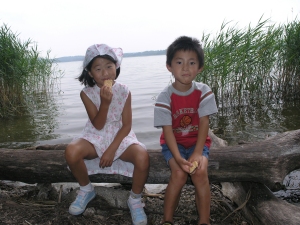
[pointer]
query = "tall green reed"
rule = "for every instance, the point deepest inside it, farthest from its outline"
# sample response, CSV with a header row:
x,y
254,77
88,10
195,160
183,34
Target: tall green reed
x,y
289,81
252,65
24,74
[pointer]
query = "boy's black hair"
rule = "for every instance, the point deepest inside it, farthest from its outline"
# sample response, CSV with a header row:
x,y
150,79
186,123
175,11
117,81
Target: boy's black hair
x,y
86,79
186,44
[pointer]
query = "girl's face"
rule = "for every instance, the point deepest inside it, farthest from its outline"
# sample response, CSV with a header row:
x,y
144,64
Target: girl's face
x,y
184,67
101,70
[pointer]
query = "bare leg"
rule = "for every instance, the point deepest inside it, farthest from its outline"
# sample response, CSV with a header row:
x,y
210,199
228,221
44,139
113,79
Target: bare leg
x,y
177,181
139,157
75,153
202,192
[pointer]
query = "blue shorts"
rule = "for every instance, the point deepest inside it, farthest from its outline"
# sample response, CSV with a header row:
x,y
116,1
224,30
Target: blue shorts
x,y
184,152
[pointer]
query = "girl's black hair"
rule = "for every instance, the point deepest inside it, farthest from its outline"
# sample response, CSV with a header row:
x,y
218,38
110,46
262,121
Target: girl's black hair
x,y
86,79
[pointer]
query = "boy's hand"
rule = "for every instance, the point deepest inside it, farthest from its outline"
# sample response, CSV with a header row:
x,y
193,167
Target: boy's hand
x,y
184,164
197,159
194,167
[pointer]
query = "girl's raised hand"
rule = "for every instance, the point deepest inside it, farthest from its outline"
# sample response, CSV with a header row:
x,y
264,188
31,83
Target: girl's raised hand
x,y
106,95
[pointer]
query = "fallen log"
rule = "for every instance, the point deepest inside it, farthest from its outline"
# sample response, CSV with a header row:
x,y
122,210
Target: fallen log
x,y
260,205
266,162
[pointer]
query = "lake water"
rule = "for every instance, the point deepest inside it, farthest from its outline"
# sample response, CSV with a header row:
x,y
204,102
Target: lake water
x,y
65,116
145,77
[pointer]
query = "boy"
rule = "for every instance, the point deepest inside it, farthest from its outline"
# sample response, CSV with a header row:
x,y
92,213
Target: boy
x,y
182,110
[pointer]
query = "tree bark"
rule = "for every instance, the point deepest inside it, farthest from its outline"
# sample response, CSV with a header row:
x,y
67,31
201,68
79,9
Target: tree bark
x,y
266,162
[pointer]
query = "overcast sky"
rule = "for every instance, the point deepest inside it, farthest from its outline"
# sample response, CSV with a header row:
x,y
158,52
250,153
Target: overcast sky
x,y
67,28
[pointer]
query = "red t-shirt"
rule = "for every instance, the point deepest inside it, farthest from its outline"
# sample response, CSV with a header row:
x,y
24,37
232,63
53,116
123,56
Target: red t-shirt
x,y
185,109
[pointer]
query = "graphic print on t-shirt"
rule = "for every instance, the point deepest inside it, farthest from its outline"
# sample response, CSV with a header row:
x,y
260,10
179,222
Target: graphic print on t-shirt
x,y
185,117
185,120
186,125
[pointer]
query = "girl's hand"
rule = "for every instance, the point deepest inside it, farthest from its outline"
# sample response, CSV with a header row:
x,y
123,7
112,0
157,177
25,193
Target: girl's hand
x,y
105,95
107,158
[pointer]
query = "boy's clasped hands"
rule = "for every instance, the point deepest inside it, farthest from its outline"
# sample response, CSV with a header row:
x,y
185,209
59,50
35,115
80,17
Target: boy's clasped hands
x,y
190,166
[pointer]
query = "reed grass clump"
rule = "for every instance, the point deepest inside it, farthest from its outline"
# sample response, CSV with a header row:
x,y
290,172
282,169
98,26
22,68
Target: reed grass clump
x,y
254,65
289,79
24,74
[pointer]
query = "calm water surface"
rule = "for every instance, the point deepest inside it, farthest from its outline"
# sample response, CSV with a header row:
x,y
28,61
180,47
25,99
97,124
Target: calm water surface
x,y
146,77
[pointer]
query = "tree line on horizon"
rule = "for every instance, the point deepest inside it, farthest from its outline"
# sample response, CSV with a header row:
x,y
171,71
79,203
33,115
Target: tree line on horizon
x,y
134,54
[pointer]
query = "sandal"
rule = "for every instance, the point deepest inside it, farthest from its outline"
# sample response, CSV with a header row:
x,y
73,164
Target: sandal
x,y
167,223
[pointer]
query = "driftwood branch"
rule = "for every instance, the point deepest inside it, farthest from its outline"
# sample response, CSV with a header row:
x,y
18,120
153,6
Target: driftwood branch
x,y
266,162
261,206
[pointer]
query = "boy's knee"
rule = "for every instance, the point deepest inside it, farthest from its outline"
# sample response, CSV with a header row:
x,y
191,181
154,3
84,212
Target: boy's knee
x,y
200,176
180,177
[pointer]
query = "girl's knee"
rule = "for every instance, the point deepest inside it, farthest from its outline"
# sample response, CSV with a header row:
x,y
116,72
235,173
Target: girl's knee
x,y
143,160
68,150
72,152
143,155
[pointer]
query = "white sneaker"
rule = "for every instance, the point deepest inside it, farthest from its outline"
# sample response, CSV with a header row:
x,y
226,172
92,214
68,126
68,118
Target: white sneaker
x,y
83,198
137,211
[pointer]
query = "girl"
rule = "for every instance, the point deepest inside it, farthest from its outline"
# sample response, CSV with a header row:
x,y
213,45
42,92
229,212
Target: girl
x,y
107,144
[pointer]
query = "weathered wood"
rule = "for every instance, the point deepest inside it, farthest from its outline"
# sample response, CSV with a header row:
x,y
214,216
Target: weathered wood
x,y
259,205
266,162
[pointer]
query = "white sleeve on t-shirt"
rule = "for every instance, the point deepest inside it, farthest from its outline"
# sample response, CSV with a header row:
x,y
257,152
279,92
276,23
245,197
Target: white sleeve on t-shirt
x,y
162,109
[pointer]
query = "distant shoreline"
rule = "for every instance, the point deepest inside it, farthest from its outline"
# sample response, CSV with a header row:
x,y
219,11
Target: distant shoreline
x,y
135,54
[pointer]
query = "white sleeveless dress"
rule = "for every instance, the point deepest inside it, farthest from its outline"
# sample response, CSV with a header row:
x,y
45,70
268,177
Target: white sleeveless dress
x,y
101,139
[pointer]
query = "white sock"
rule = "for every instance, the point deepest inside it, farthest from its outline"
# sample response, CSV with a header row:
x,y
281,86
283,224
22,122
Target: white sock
x,y
134,196
87,188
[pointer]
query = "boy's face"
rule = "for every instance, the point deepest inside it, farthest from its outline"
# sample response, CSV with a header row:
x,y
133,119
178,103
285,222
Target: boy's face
x,y
184,67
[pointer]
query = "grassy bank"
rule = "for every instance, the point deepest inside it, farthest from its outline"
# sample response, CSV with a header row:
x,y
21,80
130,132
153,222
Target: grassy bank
x,y
24,74
256,65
